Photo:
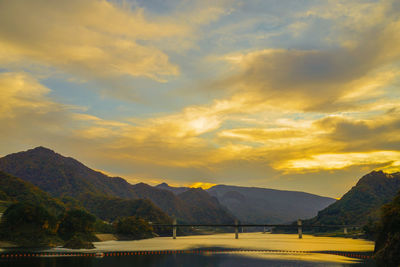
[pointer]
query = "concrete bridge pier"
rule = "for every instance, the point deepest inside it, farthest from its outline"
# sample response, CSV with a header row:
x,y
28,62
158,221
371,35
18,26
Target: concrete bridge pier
x,y
299,229
236,229
345,230
174,229
264,230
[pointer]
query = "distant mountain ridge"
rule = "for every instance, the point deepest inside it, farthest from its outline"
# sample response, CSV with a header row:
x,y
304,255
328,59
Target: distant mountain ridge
x,y
362,202
175,190
64,176
262,205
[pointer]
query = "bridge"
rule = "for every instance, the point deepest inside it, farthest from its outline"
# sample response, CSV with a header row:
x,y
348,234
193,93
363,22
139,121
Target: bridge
x,y
236,225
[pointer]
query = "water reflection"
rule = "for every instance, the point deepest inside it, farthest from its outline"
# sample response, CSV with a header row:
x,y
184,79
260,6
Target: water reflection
x,y
252,241
192,260
246,240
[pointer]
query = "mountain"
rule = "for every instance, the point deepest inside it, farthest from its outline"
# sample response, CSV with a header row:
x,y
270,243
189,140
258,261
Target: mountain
x,y
175,190
261,205
363,202
164,199
13,189
112,208
203,207
60,175
66,177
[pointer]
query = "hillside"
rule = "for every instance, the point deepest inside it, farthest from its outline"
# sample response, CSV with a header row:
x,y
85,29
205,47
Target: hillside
x,y
13,189
60,175
261,205
363,201
112,208
66,177
203,207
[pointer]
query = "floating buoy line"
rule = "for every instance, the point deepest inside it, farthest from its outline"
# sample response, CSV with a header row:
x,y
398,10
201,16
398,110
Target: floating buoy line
x,y
16,254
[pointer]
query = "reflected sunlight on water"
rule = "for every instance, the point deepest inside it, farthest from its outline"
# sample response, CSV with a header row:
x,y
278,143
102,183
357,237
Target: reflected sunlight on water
x,y
296,251
246,240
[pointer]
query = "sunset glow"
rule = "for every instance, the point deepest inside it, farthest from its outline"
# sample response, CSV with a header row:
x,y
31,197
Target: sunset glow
x,y
202,185
300,95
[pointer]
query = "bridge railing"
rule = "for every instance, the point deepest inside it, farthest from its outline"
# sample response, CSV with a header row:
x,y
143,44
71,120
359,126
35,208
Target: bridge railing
x,y
236,226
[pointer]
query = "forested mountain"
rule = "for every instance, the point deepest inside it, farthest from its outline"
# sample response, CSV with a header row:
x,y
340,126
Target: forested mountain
x,y
261,205
66,177
111,208
363,202
13,189
203,207
60,175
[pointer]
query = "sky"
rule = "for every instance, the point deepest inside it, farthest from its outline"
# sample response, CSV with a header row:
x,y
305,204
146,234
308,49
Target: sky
x,y
295,95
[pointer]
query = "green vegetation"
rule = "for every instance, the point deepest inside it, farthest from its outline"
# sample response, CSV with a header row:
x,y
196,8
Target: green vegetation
x,y
78,241
29,225
387,245
111,208
361,205
77,229
133,228
103,227
71,181
13,189
37,219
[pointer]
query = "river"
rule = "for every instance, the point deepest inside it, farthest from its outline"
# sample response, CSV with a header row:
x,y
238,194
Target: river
x,y
251,249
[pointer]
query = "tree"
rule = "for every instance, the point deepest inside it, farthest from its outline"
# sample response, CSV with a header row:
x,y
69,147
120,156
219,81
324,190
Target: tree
x,y
77,229
387,245
28,225
133,228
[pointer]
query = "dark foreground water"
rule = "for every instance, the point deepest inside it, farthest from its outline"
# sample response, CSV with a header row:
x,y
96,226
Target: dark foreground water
x,y
192,260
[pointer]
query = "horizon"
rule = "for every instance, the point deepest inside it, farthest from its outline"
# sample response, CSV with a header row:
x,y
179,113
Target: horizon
x,y
201,185
294,95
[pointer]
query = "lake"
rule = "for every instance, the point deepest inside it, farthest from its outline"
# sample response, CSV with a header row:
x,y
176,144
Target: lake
x,y
277,250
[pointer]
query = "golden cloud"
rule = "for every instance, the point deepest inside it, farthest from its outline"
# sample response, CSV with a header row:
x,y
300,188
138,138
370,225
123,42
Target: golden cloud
x,y
90,38
391,159
20,91
326,80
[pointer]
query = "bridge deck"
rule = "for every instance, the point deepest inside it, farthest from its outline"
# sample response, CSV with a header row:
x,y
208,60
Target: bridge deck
x,y
257,225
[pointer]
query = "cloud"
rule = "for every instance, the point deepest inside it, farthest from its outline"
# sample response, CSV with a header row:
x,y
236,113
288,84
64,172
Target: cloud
x,y
20,90
375,133
329,79
283,114
28,115
87,38
389,160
